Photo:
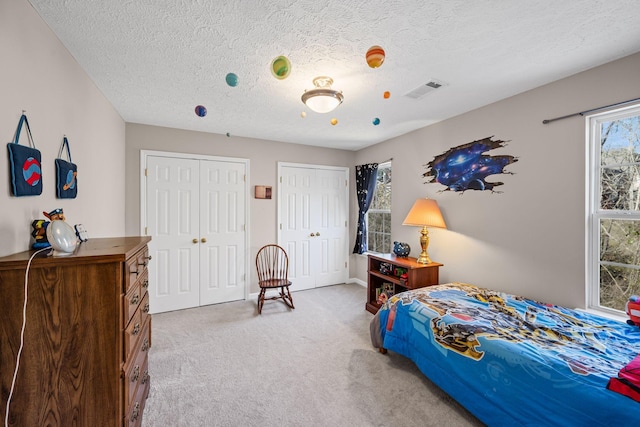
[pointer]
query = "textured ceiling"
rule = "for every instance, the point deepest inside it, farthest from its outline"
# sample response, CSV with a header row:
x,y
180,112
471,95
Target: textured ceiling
x,y
155,60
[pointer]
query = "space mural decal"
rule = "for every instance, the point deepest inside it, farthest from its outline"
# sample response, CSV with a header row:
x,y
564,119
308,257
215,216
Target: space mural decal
x,y
466,167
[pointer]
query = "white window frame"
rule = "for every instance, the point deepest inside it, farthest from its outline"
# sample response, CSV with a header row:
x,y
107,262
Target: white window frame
x,y
593,212
385,165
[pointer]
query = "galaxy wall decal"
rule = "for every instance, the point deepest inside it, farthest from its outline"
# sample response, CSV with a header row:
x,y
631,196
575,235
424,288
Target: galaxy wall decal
x,y
465,167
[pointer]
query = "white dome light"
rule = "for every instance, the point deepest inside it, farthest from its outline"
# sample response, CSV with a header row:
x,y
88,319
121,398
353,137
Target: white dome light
x,y
322,99
62,238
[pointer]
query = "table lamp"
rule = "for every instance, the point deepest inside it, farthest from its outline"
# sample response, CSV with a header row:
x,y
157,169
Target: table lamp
x,y
424,213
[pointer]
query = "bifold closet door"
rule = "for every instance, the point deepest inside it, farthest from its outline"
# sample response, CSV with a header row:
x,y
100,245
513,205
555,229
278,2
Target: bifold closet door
x,y
196,219
313,224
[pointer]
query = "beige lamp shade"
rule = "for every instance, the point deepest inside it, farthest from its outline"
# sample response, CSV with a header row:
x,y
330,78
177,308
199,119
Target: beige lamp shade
x,y
425,212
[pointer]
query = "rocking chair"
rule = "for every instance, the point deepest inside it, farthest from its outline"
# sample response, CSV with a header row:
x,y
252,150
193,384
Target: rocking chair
x,y
272,264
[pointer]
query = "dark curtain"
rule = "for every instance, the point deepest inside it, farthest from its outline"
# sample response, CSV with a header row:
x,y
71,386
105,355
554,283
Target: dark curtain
x,y
365,187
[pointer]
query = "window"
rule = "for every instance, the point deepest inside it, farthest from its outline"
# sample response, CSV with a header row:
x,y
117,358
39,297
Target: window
x,y
379,214
614,209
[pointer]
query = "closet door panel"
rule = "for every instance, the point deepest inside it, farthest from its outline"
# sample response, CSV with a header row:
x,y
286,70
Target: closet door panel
x,y
222,261
172,218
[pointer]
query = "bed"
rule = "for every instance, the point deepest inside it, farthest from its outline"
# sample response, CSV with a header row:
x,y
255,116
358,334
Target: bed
x,y
510,360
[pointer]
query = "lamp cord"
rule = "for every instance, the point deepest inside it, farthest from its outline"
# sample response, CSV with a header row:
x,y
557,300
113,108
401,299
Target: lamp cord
x,y
24,325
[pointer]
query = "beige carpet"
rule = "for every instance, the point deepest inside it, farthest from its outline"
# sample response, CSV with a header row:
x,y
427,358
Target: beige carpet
x,y
225,365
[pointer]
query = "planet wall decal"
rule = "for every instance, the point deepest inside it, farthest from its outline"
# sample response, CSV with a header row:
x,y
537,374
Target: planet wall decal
x,y
31,171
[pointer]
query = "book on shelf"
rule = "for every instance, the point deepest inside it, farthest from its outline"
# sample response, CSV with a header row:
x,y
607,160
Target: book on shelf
x,y
384,292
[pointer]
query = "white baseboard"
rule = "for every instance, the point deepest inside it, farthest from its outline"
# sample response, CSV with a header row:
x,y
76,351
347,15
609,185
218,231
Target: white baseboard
x,y
357,281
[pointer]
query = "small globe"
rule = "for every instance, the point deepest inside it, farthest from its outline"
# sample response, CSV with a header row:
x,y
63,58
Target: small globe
x,y
401,249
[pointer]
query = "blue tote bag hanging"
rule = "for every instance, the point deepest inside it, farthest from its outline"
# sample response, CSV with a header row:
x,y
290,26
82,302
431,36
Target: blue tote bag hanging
x,y
66,174
25,164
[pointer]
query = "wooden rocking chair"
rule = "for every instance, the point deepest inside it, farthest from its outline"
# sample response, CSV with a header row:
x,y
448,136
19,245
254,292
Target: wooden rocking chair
x,y
272,264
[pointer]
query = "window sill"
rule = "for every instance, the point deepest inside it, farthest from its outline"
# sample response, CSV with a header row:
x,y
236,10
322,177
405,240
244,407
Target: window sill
x,y
619,318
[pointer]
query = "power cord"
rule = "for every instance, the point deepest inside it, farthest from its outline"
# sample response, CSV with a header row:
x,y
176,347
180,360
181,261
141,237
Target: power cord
x,y
24,325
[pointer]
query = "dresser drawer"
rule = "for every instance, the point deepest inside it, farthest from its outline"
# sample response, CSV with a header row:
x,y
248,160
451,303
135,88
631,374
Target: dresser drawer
x,y
132,334
136,268
144,308
132,301
137,375
136,408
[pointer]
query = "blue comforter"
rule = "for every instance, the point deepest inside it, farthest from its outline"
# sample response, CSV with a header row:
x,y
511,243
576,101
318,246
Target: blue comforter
x,y
510,360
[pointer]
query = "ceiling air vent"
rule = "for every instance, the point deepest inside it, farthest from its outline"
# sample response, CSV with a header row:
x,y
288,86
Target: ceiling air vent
x,y
425,89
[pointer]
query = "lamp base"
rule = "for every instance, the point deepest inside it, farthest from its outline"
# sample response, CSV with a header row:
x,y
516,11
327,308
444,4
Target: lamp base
x,y
424,258
424,243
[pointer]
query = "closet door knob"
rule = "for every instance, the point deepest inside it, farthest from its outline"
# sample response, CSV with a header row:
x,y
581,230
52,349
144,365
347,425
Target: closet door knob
x,y
318,233
203,240
195,241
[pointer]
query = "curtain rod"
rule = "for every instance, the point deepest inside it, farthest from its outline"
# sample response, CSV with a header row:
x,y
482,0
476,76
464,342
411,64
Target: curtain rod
x,y
388,160
582,113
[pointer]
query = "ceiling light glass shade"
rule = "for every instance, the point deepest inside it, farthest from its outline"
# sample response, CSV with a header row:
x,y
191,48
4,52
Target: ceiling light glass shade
x,y
322,99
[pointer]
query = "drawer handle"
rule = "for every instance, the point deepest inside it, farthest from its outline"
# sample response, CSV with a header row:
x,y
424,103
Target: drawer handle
x,y
136,412
135,300
145,377
136,329
143,264
145,344
145,309
136,374
145,284
146,261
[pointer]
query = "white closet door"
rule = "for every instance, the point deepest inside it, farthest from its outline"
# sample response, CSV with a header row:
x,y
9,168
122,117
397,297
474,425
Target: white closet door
x,y
313,224
331,227
222,231
195,210
172,221
297,218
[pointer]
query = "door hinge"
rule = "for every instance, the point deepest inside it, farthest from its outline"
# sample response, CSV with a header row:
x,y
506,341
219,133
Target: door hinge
x,y
346,183
280,180
244,178
146,172
345,223
345,264
146,231
280,226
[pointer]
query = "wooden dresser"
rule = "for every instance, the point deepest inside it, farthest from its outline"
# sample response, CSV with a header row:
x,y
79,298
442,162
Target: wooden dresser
x,y
87,336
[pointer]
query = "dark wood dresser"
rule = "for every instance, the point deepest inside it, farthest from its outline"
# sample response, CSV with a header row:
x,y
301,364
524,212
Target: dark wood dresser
x,y
87,335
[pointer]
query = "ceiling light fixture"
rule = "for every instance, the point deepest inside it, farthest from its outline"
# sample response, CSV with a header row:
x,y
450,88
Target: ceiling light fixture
x,y
322,99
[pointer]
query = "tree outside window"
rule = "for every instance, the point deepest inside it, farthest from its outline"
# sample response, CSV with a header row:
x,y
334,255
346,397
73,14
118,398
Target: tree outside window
x,y
379,214
615,209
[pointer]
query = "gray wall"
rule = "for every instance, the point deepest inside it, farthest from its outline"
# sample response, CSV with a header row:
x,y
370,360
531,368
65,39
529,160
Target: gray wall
x,y
529,239
263,157
40,76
